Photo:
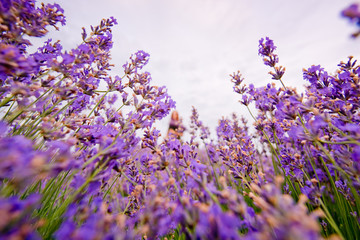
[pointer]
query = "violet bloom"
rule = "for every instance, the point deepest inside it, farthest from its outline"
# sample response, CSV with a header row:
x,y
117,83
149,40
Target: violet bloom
x,y
13,62
22,17
21,164
266,50
344,189
235,147
237,79
196,125
17,221
96,222
356,159
137,62
281,217
216,224
353,14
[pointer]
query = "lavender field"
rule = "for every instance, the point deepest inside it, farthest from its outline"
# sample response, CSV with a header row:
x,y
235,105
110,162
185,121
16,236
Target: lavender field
x,y
80,157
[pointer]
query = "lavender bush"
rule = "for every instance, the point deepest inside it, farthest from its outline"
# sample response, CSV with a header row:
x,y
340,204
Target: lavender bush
x,y
80,157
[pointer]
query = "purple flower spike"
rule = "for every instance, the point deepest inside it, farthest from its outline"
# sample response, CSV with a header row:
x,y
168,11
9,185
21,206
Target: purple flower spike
x,y
16,220
353,14
137,62
266,47
13,62
266,50
21,17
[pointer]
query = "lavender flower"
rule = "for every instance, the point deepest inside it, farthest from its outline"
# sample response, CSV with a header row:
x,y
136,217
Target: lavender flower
x,y
266,50
17,221
353,14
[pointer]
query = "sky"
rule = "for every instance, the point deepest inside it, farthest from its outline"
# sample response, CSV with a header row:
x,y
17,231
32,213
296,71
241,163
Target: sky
x,y
194,45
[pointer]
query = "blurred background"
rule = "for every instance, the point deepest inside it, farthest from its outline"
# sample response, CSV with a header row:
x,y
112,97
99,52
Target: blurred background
x,y
195,44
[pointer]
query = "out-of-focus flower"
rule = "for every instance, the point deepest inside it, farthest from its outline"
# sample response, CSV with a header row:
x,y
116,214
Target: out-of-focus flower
x,y
16,220
353,14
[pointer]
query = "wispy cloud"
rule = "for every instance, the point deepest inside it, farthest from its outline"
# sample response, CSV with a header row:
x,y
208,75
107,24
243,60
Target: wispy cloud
x,y
196,44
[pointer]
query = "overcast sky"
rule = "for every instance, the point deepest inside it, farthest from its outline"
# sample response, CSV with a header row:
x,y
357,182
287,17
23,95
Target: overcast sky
x,y
195,44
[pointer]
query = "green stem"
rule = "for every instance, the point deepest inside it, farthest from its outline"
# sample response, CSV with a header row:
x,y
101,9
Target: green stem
x,y
38,120
99,102
283,84
8,111
51,226
330,219
6,100
129,179
112,184
20,111
340,143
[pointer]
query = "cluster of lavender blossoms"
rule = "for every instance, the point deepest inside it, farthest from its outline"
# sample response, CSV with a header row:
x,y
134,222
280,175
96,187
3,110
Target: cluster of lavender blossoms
x,y
80,157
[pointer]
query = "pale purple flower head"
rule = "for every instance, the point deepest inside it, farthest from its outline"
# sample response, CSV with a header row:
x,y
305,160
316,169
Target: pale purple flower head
x,y
266,47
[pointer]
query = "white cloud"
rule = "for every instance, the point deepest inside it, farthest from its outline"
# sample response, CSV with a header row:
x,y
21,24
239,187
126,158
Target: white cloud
x,y
196,44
